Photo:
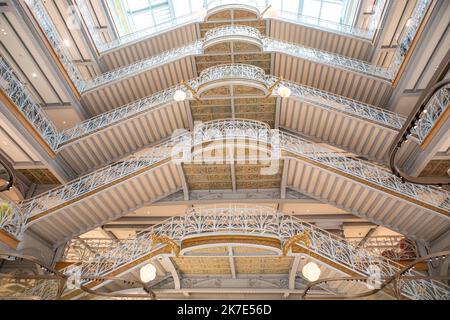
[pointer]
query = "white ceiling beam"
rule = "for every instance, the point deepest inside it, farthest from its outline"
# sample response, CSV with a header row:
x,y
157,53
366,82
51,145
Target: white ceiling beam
x,y
284,177
293,272
183,180
233,175
232,264
167,263
277,113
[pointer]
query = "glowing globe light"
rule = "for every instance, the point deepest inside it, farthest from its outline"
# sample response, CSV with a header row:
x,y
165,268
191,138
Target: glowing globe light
x,y
284,92
147,273
311,271
179,95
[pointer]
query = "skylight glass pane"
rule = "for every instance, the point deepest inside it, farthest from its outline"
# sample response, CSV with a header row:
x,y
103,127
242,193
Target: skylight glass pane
x,y
290,5
181,7
135,5
142,20
332,11
311,8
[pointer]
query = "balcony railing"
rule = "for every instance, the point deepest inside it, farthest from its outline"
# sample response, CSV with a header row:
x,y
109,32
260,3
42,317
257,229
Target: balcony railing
x,y
258,6
155,61
410,32
259,221
17,92
228,129
397,248
83,249
314,96
29,288
308,53
50,31
436,106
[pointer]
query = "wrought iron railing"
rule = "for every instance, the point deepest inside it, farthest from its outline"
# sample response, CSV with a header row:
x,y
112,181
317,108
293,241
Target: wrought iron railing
x,y
83,249
267,45
410,32
50,31
311,95
18,93
308,53
28,288
262,221
435,107
397,248
324,57
326,24
431,106
224,129
35,115
158,60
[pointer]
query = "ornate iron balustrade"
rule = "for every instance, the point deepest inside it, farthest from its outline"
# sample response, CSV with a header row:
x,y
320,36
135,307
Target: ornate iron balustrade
x,y
12,219
224,129
434,109
83,249
375,20
267,45
33,112
326,25
90,24
397,248
411,29
261,221
314,96
324,57
152,31
29,288
387,73
56,42
270,45
158,60
193,17
17,92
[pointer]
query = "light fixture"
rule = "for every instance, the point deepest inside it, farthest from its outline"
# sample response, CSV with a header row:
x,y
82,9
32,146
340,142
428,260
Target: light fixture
x,y
202,12
311,271
179,95
283,91
34,75
408,22
147,273
67,42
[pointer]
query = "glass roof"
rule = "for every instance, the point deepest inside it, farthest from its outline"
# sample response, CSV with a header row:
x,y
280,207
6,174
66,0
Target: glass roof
x,y
132,16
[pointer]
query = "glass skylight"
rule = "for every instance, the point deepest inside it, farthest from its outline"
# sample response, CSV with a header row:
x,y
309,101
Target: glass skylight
x,y
131,16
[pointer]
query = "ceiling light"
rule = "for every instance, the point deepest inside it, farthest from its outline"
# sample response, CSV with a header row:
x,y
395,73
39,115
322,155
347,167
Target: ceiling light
x,y
179,95
147,273
34,75
311,271
5,143
284,92
408,22
67,42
